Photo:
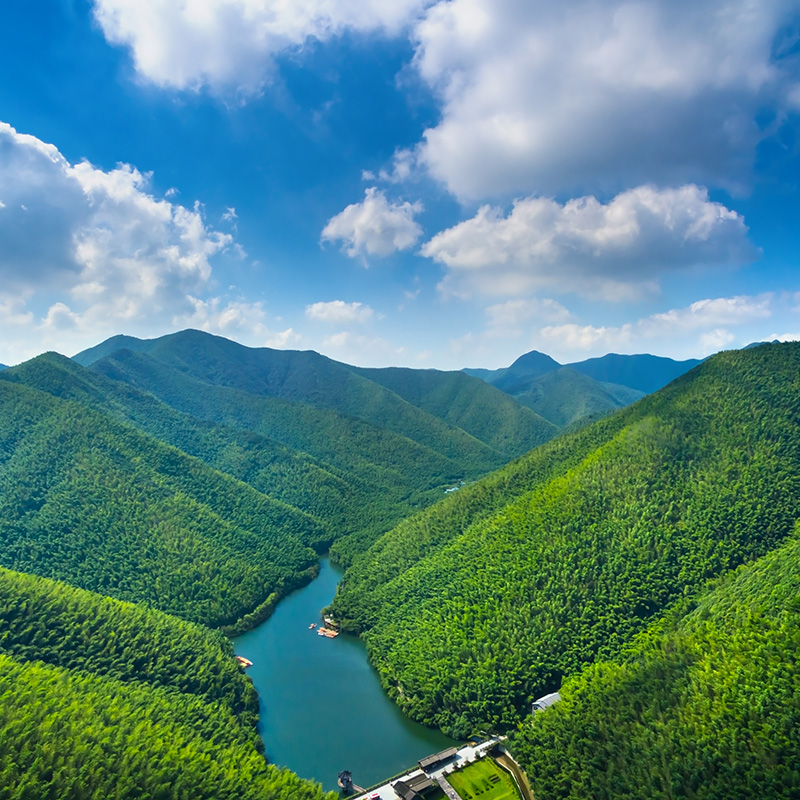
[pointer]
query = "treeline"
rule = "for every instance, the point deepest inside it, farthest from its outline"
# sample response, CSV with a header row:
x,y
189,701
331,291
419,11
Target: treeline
x,y
706,705
473,608
102,698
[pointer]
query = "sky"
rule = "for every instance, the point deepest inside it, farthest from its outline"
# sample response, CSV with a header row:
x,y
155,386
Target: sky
x,y
423,183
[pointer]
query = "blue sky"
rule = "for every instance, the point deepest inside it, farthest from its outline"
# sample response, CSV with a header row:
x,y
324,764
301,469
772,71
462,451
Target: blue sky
x,y
440,183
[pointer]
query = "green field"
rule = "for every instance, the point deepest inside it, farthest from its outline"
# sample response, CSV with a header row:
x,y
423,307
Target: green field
x,y
483,780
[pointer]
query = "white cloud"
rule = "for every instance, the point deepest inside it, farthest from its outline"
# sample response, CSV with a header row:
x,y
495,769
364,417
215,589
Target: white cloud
x,y
236,319
718,339
364,351
698,329
88,252
339,312
584,338
718,311
553,97
230,43
614,250
374,226
508,319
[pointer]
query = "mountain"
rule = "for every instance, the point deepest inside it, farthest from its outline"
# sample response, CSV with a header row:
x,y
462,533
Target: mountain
x,y
104,698
388,452
644,373
486,600
704,706
97,503
556,393
484,412
3,366
565,396
306,377
527,366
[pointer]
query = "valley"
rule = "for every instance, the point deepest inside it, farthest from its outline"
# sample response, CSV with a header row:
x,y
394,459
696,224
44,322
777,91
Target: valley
x,y
493,537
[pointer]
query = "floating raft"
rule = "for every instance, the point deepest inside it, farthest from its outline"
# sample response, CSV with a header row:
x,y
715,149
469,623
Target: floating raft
x,y
327,632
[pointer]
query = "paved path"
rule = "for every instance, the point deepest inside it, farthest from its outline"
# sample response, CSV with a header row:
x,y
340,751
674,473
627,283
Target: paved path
x,y
447,788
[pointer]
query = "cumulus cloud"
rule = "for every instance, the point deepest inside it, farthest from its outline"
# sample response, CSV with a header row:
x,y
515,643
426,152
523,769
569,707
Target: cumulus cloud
x,y
230,43
553,97
612,250
510,318
88,251
339,312
374,227
719,311
698,329
361,350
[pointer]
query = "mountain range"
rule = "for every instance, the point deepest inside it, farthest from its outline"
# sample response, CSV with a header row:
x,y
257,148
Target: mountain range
x,y
158,494
583,391
481,603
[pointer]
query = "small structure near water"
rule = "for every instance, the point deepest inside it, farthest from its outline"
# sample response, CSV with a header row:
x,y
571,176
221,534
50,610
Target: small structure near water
x,y
244,662
345,781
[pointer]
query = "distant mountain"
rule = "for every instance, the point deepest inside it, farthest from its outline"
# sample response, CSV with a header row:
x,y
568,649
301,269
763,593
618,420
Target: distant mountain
x,y
537,381
3,366
310,378
477,605
526,367
565,396
643,372
486,413
381,443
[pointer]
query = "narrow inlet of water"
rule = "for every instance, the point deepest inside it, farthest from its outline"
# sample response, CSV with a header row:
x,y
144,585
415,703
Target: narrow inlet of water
x,y
322,706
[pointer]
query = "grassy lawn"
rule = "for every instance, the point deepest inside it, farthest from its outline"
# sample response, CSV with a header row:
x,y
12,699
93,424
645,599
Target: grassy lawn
x,y
483,780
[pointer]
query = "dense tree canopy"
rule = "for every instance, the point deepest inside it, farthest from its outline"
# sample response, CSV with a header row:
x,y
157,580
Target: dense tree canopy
x,y
474,607
705,705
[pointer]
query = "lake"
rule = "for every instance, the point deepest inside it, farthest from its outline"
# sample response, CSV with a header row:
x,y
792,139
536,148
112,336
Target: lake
x,y
322,706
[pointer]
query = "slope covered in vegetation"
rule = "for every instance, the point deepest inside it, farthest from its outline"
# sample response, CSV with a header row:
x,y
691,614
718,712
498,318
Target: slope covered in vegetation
x,y
315,380
88,500
474,607
391,475
566,396
108,699
706,705
486,413
70,734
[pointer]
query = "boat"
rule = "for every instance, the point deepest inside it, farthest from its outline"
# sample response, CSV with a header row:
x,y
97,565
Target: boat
x,y
312,626
245,662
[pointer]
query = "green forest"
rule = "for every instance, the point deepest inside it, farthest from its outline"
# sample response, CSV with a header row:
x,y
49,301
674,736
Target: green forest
x,y
157,495
478,605
705,704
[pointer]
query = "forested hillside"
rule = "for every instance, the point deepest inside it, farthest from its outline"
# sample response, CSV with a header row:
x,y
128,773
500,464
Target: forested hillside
x,y
312,379
107,699
565,396
94,502
704,706
389,452
486,413
488,599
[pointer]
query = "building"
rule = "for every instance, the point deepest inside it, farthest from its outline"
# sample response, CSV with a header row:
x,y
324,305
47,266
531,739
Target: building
x,y
545,702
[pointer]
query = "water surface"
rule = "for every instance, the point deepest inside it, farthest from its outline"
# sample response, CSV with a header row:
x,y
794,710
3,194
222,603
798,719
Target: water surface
x,y
322,706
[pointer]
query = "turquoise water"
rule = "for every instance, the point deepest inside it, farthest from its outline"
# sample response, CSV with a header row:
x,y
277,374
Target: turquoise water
x,y
322,706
